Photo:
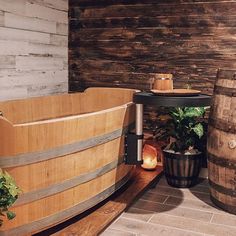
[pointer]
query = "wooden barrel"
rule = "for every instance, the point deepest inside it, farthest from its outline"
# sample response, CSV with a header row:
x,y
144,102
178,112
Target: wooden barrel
x,y
182,170
66,153
221,145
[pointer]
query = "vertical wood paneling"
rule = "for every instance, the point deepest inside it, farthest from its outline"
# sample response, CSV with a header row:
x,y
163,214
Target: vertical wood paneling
x,y
123,43
33,48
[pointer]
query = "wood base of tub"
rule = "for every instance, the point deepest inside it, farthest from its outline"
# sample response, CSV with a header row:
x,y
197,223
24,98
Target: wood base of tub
x,y
97,220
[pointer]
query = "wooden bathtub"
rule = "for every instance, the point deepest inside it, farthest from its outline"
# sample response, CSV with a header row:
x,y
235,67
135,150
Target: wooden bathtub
x,y
65,152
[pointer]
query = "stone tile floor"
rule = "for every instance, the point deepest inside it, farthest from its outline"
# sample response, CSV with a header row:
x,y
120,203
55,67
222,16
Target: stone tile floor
x,y
168,211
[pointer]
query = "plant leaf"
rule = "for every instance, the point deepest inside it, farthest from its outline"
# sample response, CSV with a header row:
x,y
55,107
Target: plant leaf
x,y
13,190
10,215
8,194
198,130
190,112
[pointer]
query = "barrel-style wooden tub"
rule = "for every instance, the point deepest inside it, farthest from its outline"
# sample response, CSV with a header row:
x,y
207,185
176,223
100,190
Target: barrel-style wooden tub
x,y
65,153
221,144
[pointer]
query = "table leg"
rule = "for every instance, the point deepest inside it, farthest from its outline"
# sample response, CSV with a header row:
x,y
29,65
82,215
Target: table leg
x,y
139,130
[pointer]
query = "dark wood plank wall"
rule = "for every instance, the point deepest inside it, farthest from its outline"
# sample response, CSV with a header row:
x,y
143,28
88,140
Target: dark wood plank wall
x,y
123,43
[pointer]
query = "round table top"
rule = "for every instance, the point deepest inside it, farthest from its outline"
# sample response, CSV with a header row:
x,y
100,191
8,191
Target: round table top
x,y
149,98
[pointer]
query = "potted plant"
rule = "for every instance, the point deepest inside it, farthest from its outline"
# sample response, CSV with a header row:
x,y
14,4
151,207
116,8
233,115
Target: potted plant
x,y
8,194
184,129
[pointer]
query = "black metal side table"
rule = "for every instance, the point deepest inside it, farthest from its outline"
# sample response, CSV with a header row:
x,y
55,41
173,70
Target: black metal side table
x,y
148,98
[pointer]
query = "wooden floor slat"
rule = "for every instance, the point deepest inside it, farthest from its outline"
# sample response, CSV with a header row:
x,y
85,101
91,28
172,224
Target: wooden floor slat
x,y
96,221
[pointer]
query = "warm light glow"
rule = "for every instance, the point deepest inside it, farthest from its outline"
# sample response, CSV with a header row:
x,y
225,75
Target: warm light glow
x,y
149,163
149,157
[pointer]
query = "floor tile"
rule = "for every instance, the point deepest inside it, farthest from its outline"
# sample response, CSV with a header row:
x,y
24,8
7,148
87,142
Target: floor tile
x,y
156,197
173,210
149,229
181,193
193,225
224,219
193,204
115,232
138,214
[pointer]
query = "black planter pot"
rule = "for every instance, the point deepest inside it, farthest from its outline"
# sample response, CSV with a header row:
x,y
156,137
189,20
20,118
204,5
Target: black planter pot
x,y
182,170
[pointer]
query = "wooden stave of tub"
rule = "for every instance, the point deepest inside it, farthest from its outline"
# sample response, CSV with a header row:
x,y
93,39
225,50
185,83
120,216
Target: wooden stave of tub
x,y
50,197
221,134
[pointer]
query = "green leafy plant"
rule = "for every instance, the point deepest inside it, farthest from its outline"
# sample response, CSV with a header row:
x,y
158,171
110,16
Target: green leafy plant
x,y
184,128
8,194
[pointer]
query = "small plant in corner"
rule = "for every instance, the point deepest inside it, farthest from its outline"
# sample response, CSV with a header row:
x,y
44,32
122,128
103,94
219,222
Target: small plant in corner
x,y
185,131
9,192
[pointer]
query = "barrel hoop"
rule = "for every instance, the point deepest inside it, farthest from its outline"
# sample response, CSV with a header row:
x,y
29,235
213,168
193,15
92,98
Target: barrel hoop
x,y
67,184
221,161
225,206
230,92
180,177
183,157
222,125
65,214
34,157
222,189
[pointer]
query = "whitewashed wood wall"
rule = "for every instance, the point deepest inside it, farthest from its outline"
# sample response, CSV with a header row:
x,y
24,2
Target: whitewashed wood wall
x,y
33,48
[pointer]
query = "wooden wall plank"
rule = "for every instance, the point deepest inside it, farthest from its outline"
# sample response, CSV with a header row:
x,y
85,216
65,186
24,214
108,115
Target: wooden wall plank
x,y
8,47
48,49
62,29
150,33
138,67
212,8
46,13
7,62
25,78
13,6
157,22
103,3
19,92
1,18
22,22
31,63
59,40
124,43
161,49
42,90
33,48
55,4
24,35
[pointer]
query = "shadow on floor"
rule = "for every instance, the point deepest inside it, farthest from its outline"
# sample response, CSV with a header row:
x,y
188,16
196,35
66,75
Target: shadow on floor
x,y
157,199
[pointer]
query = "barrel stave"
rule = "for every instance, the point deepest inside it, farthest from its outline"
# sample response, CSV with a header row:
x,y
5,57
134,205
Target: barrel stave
x,y
221,144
